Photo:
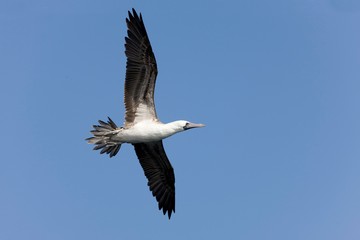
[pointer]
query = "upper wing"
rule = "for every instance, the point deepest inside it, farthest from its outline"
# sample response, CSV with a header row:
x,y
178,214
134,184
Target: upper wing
x,y
141,72
159,172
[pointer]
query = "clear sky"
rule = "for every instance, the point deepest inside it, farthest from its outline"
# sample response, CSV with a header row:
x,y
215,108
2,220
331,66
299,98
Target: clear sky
x,y
277,84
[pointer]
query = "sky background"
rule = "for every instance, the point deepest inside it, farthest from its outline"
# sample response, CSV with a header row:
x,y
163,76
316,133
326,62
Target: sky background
x,y
277,84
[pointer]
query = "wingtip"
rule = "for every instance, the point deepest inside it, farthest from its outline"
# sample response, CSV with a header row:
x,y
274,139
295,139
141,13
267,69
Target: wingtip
x,y
133,13
167,210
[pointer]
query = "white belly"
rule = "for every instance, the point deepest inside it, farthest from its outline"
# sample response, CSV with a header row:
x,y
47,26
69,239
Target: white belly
x,y
145,131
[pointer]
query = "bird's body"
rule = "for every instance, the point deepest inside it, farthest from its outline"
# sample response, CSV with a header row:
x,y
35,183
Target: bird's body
x,y
145,131
142,128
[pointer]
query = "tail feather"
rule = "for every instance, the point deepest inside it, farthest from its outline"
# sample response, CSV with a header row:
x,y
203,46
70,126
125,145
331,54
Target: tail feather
x,y
102,137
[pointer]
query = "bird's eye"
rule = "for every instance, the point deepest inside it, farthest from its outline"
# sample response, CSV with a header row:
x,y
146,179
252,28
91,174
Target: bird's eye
x,y
186,126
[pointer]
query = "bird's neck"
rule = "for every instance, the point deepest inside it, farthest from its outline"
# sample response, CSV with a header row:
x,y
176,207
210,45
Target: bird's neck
x,y
173,127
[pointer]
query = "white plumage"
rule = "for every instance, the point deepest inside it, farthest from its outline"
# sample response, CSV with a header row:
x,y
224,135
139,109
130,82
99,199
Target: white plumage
x,y
142,127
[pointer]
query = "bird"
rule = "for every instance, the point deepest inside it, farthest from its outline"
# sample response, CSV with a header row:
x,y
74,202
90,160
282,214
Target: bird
x,y
142,127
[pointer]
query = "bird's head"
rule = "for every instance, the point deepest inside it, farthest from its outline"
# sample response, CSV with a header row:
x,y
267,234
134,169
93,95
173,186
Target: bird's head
x,y
183,125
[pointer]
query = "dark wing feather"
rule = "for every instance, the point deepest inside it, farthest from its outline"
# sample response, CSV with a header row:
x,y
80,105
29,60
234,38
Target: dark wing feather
x,y
141,69
159,172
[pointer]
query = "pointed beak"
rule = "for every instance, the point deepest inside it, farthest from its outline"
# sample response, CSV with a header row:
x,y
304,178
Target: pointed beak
x,y
193,125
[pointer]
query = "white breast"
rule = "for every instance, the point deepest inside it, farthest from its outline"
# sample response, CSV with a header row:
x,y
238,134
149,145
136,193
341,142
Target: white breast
x,y
145,131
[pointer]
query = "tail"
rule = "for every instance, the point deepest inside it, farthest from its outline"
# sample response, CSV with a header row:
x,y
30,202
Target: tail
x,y
102,137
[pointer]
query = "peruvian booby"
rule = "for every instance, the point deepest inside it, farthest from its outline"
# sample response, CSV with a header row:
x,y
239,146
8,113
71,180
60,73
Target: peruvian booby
x,y
142,127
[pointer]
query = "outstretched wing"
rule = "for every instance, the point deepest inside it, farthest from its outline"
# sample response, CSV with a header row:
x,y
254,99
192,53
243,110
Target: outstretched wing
x,y
141,72
159,172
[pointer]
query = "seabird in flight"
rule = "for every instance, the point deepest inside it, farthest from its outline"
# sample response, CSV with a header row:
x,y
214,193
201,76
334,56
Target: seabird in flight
x,y
142,127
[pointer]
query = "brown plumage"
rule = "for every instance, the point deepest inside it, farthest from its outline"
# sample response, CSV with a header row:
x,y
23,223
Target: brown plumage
x,y
159,172
142,127
141,72
141,69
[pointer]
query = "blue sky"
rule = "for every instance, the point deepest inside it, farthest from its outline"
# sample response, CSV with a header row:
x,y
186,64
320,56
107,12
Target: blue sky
x,y
276,82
